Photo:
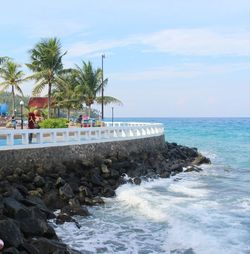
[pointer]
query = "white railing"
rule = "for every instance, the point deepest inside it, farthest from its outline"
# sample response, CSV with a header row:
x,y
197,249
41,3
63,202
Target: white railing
x,y
18,139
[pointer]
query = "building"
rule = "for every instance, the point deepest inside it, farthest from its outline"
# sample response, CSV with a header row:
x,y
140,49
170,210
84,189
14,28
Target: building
x,y
38,102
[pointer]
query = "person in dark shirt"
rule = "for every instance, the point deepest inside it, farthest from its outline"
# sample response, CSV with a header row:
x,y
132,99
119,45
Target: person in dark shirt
x,y
31,124
13,121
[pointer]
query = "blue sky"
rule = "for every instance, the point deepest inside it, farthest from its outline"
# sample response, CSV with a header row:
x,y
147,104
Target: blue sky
x,y
164,58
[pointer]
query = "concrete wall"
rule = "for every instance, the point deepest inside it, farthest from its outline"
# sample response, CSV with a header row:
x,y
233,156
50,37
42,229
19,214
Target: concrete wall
x,y
48,156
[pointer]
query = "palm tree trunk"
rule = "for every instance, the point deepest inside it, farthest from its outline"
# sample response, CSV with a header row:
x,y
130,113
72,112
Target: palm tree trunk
x,y
13,100
89,111
68,113
49,98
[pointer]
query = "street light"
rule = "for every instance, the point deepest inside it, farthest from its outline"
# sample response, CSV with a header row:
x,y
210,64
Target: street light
x,y
103,56
112,116
21,104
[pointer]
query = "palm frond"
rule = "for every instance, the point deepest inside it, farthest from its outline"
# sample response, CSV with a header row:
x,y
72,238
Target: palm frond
x,y
108,100
39,87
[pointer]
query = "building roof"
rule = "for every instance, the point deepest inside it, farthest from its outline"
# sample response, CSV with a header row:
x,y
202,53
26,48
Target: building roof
x,y
38,102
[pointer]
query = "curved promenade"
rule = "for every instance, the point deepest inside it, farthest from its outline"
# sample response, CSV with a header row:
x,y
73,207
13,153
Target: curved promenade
x,y
52,147
117,131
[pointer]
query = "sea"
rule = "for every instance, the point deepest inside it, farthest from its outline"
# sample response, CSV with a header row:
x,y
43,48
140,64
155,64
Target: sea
x,y
190,213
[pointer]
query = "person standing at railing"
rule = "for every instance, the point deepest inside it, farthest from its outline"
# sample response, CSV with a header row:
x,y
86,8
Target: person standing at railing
x,y
38,118
31,124
13,121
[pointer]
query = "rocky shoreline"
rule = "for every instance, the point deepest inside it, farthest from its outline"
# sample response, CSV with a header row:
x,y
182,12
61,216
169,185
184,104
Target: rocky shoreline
x,y
30,195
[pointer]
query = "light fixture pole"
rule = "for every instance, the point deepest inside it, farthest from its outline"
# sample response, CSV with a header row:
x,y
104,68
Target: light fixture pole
x,y
21,104
112,116
103,56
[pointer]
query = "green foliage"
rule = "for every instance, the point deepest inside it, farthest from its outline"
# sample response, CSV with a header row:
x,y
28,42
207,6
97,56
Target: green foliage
x,y
46,64
12,77
9,125
6,97
54,123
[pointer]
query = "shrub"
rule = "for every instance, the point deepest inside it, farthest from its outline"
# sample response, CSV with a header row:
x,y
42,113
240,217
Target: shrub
x,y
54,123
9,125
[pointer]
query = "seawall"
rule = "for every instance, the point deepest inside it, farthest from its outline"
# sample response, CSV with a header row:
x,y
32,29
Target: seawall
x,y
48,156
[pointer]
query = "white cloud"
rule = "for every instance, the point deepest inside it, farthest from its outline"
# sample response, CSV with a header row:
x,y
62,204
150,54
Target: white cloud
x,y
180,71
199,42
57,27
196,42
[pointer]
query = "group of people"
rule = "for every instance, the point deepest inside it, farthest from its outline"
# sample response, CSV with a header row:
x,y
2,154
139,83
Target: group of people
x,y
33,122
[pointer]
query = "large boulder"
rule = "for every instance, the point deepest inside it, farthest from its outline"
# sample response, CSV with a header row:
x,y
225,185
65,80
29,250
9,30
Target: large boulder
x,y
200,159
11,250
33,227
39,181
10,233
46,246
15,209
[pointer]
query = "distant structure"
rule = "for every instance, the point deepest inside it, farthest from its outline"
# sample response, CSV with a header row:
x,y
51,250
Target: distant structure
x,y
38,102
3,109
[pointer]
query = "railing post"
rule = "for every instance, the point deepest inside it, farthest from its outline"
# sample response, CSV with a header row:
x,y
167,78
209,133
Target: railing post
x,y
66,136
25,138
53,135
10,139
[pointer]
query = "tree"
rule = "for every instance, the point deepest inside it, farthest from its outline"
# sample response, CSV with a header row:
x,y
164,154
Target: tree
x,y
89,84
66,95
3,59
46,63
12,78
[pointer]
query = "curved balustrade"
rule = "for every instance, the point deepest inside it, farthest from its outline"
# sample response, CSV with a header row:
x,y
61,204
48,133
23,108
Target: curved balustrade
x,y
17,139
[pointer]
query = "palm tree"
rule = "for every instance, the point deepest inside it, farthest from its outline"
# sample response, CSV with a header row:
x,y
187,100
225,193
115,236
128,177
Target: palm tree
x,y
89,84
3,59
12,78
46,63
66,95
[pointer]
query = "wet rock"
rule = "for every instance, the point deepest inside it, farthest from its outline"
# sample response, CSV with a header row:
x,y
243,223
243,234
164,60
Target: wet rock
x,y
30,249
85,191
137,181
114,174
66,192
11,250
93,201
52,200
108,162
72,211
36,193
63,217
10,233
33,227
104,169
46,246
14,209
165,174
74,202
177,168
108,192
60,182
39,181
200,159
96,180
193,169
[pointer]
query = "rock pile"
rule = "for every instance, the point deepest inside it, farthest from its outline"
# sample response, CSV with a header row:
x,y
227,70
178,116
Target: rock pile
x,y
28,196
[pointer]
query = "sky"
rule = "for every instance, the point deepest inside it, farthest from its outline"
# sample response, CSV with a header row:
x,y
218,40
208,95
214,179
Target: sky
x,y
164,58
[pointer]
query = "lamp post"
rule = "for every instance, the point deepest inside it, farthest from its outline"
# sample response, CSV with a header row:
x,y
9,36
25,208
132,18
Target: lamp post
x,y
21,104
103,56
112,116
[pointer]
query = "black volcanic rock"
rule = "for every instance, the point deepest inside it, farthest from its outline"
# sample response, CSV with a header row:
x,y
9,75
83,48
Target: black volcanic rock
x,y
28,194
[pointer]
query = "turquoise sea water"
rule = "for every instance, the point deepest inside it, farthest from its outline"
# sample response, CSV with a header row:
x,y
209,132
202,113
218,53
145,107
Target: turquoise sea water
x,y
202,213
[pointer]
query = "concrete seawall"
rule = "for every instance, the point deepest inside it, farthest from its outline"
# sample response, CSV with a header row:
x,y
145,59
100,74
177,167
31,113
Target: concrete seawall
x,y
49,156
